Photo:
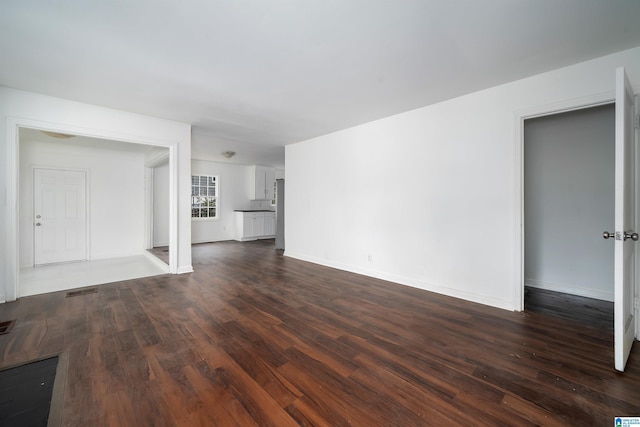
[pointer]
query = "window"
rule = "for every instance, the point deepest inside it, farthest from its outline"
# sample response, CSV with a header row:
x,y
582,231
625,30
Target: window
x,y
204,196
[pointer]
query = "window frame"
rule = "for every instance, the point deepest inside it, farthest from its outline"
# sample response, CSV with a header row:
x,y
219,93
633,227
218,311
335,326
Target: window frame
x,y
215,197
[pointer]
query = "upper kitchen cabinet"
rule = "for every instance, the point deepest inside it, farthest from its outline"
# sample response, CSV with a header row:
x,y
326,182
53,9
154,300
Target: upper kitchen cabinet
x,y
261,182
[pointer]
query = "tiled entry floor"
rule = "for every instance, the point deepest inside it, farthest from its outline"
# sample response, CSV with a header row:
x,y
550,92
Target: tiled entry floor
x,y
58,277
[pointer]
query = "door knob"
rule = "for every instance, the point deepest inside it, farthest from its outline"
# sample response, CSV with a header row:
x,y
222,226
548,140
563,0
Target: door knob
x,y
37,224
633,236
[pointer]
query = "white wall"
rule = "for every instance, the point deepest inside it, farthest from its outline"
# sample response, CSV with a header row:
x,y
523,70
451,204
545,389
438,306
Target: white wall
x,y
569,201
161,205
233,194
432,195
20,108
115,196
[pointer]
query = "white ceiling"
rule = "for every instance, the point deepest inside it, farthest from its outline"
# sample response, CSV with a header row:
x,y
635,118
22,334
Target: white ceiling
x,y
254,75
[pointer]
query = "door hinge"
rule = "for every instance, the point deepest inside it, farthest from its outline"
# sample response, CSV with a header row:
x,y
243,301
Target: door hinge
x,y
636,123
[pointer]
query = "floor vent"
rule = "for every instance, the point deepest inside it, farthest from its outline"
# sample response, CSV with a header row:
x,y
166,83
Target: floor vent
x,y
27,392
5,327
81,292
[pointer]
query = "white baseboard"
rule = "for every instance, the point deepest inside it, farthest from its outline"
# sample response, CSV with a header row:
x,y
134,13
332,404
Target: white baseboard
x,y
251,239
185,269
571,289
219,238
408,281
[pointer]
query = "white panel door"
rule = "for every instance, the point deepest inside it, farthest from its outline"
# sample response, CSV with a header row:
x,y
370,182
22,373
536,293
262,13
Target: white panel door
x,y
59,216
625,227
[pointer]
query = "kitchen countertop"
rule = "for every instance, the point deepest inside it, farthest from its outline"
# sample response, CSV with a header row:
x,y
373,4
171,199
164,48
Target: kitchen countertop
x,y
253,210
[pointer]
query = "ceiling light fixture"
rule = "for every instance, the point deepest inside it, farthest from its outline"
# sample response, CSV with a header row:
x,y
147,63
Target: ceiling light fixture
x,y
228,154
57,134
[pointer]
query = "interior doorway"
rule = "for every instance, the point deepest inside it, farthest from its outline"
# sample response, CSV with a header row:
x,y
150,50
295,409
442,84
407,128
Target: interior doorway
x,y
569,166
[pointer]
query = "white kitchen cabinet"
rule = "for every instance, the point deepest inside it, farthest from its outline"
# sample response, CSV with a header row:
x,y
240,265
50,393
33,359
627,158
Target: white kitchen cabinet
x,y
270,224
258,225
246,230
254,225
261,182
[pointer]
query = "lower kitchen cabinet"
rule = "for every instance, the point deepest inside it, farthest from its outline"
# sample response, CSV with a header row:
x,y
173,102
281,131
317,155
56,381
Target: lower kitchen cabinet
x,y
270,224
255,225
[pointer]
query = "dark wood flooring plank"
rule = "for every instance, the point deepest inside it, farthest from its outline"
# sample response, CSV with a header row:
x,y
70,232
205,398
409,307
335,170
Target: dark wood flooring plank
x,y
253,398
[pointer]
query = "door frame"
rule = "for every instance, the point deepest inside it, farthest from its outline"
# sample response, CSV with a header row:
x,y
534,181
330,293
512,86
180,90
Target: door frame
x,y
87,202
13,187
150,184
520,117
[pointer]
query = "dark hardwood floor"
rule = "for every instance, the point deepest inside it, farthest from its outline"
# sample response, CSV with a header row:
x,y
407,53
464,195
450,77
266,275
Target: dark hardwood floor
x,y
252,338
589,311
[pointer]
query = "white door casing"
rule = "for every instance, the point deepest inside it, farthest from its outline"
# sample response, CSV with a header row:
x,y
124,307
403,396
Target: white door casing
x,y
60,216
625,286
624,246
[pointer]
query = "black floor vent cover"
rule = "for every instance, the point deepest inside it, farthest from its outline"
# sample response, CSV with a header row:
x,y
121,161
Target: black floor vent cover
x,y
25,393
81,292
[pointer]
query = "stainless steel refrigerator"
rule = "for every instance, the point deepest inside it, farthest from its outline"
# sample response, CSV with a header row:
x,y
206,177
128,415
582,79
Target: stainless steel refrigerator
x,y
280,214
